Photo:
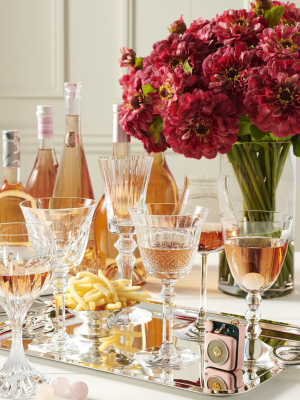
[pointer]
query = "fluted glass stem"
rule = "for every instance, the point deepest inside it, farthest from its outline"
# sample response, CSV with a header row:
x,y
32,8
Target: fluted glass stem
x,y
125,260
203,284
168,349
60,285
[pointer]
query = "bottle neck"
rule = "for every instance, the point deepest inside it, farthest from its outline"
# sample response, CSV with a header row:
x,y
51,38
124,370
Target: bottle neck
x,y
158,158
12,175
121,148
45,143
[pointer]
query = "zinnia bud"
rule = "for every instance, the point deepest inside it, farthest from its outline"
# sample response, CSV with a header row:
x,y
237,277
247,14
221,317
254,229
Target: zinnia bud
x,y
128,57
263,4
178,26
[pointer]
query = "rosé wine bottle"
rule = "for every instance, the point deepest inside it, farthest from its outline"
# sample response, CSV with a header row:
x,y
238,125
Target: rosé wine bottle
x,y
42,179
73,178
12,192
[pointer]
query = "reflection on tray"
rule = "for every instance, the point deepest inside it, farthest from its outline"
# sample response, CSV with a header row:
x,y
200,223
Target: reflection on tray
x,y
193,378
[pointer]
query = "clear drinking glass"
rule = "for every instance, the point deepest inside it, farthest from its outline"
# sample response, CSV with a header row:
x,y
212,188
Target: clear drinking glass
x,y
70,220
209,191
27,259
256,243
125,181
168,244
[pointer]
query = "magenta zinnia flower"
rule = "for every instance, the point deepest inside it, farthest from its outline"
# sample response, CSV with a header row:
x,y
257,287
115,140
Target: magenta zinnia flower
x,y
169,85
282,41
239,26
204,125
227,72
175,50
136,112
128,57
196,25
273,97
178,26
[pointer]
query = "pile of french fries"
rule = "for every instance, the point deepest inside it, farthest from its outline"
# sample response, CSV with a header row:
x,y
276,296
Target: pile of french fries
x,y
115,339
92,292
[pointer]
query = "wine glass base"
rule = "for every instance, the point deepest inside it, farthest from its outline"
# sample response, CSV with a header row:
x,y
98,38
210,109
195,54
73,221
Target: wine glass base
x,y
134,316
152,358
192,332
62,345
257,354
20,382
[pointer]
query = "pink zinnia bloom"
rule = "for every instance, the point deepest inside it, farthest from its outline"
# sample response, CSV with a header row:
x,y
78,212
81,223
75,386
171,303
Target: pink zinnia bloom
x,y
239,26
178,26
136,112
128,57
169,85
204,125
196,25
282,41
273,97
227,72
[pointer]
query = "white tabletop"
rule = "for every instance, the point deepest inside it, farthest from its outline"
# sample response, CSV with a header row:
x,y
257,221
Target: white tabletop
x,y
103,386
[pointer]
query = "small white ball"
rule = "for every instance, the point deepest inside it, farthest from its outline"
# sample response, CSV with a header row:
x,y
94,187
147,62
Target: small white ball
x,y
253,281
61,386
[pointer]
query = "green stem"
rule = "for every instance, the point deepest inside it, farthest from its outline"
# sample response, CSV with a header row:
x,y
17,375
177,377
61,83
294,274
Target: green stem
x,y
282,159
274,175
268,169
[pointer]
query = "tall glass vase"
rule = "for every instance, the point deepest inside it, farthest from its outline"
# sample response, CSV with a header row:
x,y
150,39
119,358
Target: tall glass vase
x,y
261,177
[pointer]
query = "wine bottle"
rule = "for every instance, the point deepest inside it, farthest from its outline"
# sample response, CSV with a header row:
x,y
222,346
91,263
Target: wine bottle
x,y
73,178
106,253
42,178
162,187
12,192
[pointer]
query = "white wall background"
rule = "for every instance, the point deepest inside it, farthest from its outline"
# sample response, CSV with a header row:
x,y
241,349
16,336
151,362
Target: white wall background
x,y
44,43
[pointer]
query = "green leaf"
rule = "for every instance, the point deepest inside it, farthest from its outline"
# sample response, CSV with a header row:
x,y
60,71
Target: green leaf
x,y
244,126
148,89
257,133
274,15
296,145
187,67
255,10
139,63
279,139
156,127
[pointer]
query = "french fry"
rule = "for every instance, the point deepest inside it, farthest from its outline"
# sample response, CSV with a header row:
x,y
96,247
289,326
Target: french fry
x,y
107,344
79,300
115,306
101,289
93,297
128,289
125,333
92,305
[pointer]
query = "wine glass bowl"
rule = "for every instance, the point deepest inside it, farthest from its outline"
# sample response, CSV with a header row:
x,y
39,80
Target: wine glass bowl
x,y
256,243
168,241
27,260
69,219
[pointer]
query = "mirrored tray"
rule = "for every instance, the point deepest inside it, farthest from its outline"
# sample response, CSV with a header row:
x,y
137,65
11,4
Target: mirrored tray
x,y
193,377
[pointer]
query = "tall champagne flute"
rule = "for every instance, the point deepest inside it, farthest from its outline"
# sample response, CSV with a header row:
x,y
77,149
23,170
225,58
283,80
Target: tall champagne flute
x,y
27,260
168,244
125,181
209,191
70,220
255,244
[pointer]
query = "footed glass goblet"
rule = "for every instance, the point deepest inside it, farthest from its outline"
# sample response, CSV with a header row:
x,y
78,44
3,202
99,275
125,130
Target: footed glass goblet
x,y
255,244
27,260
125,181
69,219
168,244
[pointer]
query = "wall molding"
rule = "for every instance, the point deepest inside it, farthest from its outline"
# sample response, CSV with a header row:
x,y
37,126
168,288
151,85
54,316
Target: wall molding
x,y
55,90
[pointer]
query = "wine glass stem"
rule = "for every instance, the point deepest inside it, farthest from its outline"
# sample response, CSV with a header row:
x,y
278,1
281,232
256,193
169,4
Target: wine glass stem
x,y
60,310
203,283
168,294
125,260
252,316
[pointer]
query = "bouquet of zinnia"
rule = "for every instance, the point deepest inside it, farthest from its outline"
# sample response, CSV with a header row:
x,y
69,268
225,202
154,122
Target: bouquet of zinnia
x,y
232,79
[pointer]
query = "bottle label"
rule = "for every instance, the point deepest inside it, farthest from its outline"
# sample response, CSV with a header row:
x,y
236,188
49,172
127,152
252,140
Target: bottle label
x,y
45,126
11,153
72,139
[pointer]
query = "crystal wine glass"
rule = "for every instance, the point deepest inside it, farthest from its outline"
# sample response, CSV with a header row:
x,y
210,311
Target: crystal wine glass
x,y
27,259
125,181
255,244
209,191
168,245
70,220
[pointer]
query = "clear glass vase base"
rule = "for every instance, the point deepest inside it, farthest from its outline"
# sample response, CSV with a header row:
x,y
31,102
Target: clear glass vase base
x,y
192,332
20,382
155,358
257,354
134,315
